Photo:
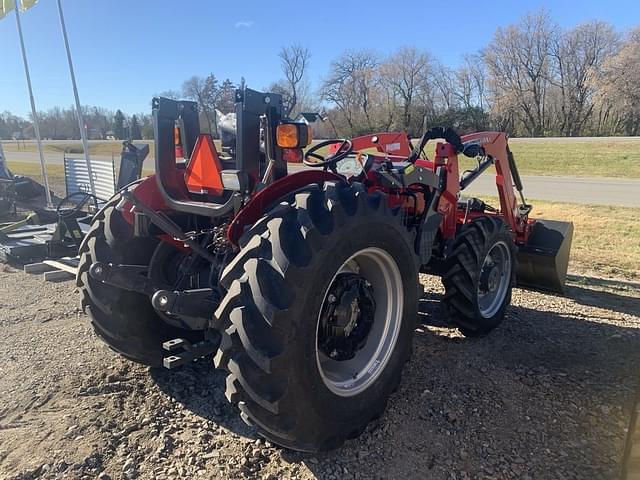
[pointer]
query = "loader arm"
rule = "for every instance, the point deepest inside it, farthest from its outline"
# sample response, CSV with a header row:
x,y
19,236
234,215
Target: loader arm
x,y
543,245
496,150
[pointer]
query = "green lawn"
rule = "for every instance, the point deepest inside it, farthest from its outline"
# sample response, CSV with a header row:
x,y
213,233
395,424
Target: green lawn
x,y
606,239
589,157
577,157
71,146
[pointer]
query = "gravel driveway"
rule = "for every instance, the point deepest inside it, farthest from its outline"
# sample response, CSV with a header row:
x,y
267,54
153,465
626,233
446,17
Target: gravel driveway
x,y
547,395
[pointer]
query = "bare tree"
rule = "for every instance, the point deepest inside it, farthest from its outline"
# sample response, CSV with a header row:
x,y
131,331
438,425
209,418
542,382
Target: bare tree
x,y
201,90
471,79
294,61
619,85
406,73
463,88
578,57
351,86
519,64
444,84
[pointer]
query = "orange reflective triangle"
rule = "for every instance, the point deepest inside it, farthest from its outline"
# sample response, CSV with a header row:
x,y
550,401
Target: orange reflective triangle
x,y
203,171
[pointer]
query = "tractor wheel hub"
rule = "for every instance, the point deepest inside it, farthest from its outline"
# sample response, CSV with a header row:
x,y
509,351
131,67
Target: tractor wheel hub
x,y
490,278
347,317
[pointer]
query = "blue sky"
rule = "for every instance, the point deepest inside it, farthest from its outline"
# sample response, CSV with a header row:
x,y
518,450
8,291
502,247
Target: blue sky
x,y
125,51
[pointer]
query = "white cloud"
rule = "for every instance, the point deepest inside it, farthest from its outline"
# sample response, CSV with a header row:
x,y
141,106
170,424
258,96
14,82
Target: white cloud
x,y
244,24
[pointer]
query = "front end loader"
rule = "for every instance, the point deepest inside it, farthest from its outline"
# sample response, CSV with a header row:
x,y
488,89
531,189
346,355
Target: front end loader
x,y
303,285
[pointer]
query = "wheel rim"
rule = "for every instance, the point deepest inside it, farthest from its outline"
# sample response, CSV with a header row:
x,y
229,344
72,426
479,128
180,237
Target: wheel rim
x,y
495,278
351,377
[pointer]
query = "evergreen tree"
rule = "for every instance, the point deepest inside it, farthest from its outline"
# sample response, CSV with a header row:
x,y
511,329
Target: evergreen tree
x,y
136,131
118,125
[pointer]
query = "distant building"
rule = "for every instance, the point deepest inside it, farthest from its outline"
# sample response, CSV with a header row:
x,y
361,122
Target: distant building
x,y
95,134
307,117
319,127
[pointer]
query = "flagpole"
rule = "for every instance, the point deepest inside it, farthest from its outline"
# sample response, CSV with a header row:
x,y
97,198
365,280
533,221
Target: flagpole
x,y
36,126
83,130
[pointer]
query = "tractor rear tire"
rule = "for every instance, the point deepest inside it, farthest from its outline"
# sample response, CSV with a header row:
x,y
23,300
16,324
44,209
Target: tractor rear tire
x,y
279,374
466,275
125,320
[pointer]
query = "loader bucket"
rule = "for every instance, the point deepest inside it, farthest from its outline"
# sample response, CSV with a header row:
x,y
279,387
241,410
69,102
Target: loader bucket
x,y
543,261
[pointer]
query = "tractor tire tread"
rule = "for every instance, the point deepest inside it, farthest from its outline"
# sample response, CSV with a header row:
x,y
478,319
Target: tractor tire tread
x,y
461,270
252,318
124,320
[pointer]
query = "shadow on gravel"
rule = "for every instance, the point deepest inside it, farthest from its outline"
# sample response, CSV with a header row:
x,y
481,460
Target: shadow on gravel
x,y
200,388
604,282
578,368
615,298
608,300
547,394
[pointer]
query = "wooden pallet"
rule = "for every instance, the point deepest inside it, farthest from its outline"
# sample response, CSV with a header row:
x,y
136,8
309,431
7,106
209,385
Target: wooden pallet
x,y
59,270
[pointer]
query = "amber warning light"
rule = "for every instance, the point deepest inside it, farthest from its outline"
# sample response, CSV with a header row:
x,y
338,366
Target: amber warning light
x,y
293,135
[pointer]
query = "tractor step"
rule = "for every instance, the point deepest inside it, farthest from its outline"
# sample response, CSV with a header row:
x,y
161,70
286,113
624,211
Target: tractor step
x,y
190,351
543,261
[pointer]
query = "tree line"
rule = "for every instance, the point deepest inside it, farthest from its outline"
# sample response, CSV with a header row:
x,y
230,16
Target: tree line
x,y
61,124
534,78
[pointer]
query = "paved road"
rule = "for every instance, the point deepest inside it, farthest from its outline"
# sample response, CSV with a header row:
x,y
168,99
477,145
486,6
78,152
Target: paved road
x,y
598,191
586,190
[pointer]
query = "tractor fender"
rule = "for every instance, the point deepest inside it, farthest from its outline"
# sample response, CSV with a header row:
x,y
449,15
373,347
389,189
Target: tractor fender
x,y
268,196
147,192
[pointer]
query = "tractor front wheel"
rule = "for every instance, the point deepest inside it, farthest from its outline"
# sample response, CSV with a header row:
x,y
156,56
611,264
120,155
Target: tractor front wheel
x,y
479,274
318,319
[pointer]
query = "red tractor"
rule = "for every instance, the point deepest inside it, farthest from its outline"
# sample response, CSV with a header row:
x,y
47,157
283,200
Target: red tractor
x,y
304,286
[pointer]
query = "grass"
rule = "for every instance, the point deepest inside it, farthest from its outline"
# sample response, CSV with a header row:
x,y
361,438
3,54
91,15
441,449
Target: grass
x,y
54,172
576,157
606,240
589,157
592,157
105,148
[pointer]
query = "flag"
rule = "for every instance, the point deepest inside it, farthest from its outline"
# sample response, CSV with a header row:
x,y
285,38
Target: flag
x,y
7,5
27,4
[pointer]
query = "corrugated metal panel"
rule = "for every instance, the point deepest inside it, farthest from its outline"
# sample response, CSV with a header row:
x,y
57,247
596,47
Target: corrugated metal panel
x,y
76,177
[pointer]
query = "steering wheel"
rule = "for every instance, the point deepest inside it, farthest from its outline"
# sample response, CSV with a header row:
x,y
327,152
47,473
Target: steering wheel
x,y
76,209
345,147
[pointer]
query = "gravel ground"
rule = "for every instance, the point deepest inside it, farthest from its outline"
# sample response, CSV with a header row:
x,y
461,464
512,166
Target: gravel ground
x,y
547,395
